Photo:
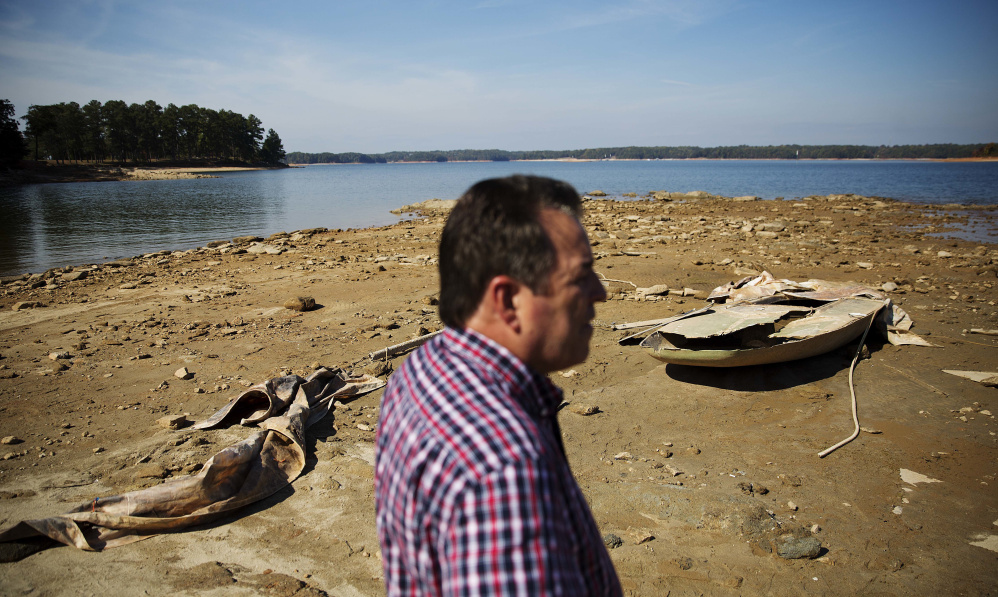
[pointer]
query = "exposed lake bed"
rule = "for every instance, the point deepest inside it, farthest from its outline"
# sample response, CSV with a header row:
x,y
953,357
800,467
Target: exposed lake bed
x,y
700,474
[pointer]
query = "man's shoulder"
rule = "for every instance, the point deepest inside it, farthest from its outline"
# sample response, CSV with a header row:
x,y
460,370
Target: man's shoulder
x,y
451,396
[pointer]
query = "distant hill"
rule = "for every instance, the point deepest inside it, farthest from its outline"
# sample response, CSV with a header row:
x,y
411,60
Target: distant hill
x,y
737,152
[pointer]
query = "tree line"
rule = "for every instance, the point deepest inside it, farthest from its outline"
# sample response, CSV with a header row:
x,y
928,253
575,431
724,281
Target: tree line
x,y
119,132
738,152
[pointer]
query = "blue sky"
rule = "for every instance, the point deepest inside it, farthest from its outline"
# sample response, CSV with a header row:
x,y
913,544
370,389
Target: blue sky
x,y
375,76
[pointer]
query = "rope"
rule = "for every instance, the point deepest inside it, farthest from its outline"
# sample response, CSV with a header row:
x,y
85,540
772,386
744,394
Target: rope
x,y
852,392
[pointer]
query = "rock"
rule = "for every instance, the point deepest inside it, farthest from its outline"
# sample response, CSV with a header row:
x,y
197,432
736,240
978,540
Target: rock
x,y
792,506
596,193
640,535
584,409
260,248
378,368
772,227
623,456
60,355
173,421
656,290
243,240
20,306
944,254
76,275
745,198
612,541
864,264
789,547
363,427
150,471
300,303
10,440
889,287
183,373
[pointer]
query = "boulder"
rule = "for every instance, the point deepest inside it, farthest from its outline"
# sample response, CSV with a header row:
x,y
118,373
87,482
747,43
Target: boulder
x,y
20,306
300,303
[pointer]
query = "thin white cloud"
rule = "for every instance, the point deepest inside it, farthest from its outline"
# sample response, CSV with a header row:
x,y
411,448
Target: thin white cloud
x,y
681,13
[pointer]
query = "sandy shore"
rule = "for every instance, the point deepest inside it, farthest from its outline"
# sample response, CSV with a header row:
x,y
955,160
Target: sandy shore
x,y
49,172
698,472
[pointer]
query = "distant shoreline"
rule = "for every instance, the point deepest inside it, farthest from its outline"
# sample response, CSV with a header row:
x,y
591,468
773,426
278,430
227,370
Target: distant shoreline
x,y
988,159
46,172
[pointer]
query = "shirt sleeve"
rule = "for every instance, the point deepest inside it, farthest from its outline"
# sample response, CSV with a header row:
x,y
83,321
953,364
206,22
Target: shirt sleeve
x,y
505,538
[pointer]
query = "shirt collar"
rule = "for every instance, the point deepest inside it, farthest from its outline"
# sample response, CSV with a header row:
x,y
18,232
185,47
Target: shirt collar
x,y
539,394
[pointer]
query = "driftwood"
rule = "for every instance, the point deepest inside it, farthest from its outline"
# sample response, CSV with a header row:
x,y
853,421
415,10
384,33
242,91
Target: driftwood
x,y
396,349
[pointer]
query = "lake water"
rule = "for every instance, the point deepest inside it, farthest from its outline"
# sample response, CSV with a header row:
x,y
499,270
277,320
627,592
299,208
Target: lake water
x,y
56,225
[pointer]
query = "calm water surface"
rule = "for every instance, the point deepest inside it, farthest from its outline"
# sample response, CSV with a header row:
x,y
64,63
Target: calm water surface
x,y
56,225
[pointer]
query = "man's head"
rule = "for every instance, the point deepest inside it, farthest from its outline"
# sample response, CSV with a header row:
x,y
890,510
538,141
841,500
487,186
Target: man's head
x,y
515,264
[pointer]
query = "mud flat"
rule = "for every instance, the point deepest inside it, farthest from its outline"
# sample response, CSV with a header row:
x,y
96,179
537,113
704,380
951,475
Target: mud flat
x,y
704,481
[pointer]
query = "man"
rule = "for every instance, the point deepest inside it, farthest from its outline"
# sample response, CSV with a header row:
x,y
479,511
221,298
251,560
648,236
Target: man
x,y
473,492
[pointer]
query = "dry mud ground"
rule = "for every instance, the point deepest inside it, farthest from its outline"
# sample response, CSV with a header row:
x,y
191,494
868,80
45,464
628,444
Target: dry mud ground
x,y
718,465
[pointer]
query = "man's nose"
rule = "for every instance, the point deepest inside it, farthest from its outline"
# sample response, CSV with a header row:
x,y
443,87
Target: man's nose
x,y
598,292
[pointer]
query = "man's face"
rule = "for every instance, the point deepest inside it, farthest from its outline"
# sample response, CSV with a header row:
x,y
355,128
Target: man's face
x,y
557,322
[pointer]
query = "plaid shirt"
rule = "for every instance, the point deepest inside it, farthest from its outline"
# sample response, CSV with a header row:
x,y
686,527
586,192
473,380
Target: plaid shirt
x,y
473,492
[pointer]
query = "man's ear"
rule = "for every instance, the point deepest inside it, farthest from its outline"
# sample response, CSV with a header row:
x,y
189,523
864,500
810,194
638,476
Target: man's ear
x,y
501,294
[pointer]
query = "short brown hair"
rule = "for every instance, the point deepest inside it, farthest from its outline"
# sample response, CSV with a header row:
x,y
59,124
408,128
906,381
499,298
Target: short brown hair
x,y
495,230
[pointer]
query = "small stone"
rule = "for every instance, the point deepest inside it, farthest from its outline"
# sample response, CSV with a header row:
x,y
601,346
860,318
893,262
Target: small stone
x,y
789,547
363,427
378,368
98,450
640,535
584,409
864,264
944,254
300,303
150,471
815,528
623,456
20,306
889,287
792,506
656,290
60,355
10,440
172,421
74,276
612,541
183,373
